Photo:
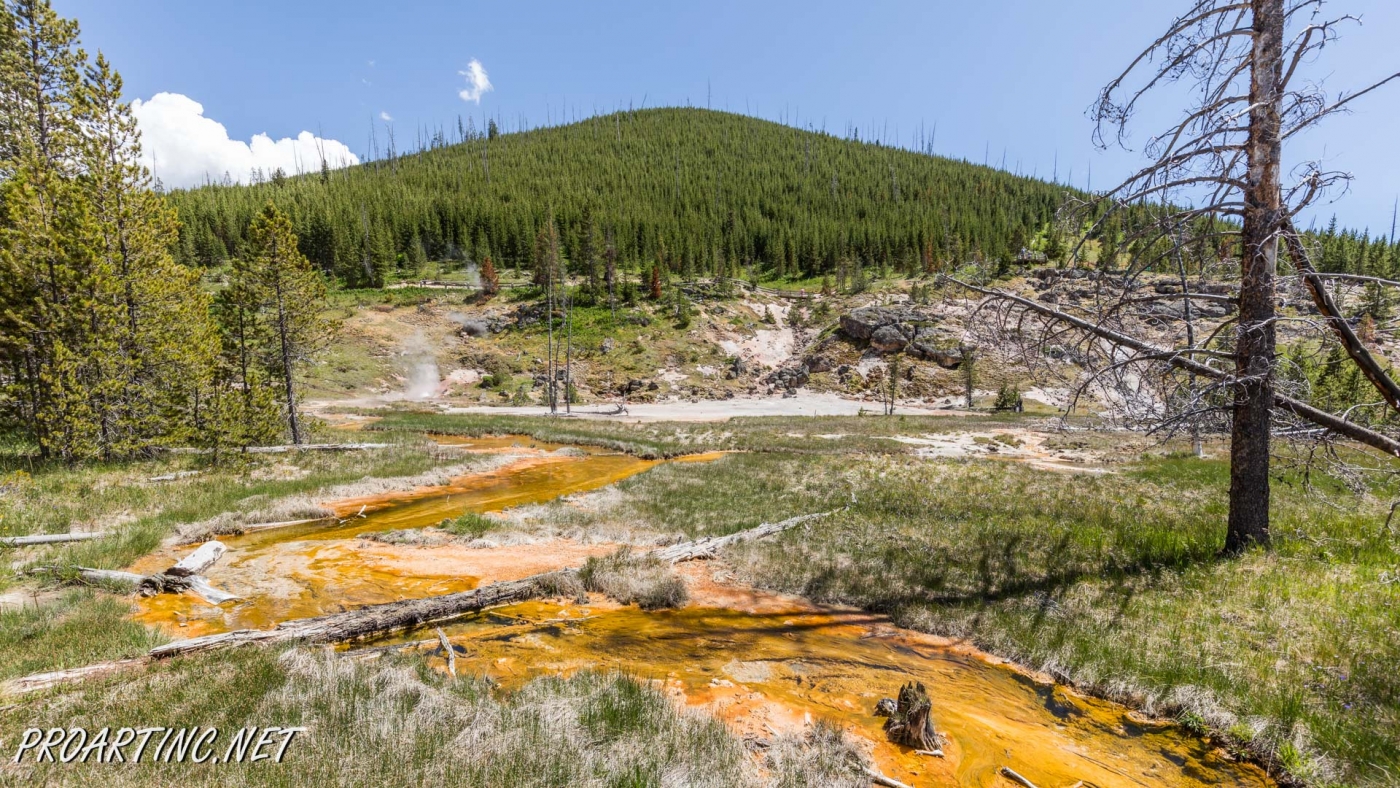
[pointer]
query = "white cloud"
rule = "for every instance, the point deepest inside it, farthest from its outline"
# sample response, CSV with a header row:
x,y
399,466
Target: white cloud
x,y
386,117
181,146
477,82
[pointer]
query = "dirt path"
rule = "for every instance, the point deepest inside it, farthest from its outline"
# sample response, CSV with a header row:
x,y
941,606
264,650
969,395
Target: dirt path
x,y
806,403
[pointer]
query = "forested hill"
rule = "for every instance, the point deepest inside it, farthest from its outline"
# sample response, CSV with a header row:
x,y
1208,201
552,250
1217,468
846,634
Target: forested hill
x,y
702,191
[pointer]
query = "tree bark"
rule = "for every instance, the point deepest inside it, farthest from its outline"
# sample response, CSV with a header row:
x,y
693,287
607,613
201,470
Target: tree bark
x,y
1255,342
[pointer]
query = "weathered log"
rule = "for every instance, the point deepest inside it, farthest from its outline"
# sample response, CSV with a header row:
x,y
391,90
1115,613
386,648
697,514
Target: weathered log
x,y
1014,777
24,541
204,556
389,617
93,575
911,724
450,655
214,596
880,779
372,620
40,681
291,447
170,477
708,547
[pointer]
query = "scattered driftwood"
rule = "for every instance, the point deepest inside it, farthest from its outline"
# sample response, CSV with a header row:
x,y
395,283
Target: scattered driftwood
x,y
451,655
911,724
1014,777
24,541
375,620
880,779
291,447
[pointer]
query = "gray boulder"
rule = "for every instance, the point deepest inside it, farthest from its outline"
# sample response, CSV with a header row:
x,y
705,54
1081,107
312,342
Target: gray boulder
x,y
861,324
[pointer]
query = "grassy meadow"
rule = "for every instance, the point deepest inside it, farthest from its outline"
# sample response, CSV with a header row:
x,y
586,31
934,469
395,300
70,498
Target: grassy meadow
x,y
1111,581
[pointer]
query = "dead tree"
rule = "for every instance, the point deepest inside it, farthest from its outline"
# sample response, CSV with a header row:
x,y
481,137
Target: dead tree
x,y
911,722
1218,175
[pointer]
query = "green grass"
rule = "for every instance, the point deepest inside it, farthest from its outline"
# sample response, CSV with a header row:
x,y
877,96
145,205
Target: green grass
x,y
1110,582
395,722
117,497
80,627
471,525
655,440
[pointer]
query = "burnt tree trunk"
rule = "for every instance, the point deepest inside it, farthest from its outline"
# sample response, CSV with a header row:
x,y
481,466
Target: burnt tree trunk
x,y
1263,221
911,724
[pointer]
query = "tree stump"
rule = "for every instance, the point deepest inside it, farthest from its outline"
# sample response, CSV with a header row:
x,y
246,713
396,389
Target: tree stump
x,y
911,724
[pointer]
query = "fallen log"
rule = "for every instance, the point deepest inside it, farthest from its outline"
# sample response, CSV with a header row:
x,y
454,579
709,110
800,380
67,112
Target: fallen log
x,y
291,447
187,575
204,556
147,584
93,575
1016,778
214,596
24,541
389,617
880,779
40,681
170,477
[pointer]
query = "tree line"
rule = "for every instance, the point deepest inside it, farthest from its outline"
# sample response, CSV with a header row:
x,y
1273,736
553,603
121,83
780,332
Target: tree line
x,y
109,346
701,192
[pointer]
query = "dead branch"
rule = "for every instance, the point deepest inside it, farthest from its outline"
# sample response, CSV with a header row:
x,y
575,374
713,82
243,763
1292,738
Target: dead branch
x,y
25,541
1338,322
1183,361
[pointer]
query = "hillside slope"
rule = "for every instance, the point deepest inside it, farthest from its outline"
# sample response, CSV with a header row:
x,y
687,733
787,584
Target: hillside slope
x,y
702,191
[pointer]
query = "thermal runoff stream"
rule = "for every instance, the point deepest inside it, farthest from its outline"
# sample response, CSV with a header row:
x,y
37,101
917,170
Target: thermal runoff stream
x,y
765,663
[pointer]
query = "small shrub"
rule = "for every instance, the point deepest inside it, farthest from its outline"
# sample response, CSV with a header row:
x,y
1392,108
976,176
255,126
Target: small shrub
x,y
1008,398
470,524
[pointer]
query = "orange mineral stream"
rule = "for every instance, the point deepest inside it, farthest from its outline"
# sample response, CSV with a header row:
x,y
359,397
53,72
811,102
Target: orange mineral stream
x,y
764,663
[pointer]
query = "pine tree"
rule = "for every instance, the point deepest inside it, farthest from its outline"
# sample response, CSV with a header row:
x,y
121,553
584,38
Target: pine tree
x,y
281,291
163,338
106,343
490,280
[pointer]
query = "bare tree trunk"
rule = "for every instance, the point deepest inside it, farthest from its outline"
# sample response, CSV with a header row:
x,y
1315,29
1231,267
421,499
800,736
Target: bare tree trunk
x,y
1263,219
569,352
549,346
286,353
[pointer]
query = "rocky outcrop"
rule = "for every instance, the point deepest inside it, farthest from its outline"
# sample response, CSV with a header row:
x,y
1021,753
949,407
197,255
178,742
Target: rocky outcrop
x,y
862,324
900,329
789,378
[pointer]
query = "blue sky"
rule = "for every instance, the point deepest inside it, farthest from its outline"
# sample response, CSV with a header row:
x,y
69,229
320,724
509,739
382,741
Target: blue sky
x,y
1012,76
